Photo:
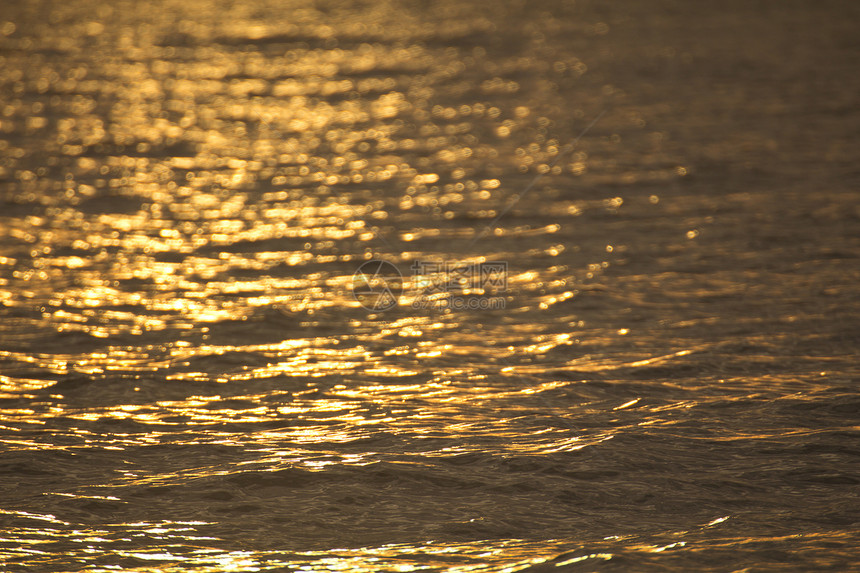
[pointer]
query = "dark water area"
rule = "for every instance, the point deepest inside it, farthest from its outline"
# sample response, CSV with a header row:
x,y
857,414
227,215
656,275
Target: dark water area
x,y
608,317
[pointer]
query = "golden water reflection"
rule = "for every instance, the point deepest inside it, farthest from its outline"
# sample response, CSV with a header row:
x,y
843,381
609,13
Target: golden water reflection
x,y
189,382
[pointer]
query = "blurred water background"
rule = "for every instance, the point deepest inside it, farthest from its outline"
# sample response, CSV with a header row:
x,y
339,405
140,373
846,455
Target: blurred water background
x,y
669,380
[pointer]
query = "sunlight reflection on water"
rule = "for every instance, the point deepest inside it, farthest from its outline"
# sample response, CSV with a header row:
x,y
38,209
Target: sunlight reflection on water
x,y
190,380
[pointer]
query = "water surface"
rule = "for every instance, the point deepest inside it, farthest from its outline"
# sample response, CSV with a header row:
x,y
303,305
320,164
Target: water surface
x,y
667,380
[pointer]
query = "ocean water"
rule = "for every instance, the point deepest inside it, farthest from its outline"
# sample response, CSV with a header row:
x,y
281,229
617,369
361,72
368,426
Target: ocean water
x,y
429,286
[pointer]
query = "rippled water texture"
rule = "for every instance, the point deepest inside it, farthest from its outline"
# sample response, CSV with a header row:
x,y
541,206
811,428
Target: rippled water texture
x,y
661,375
